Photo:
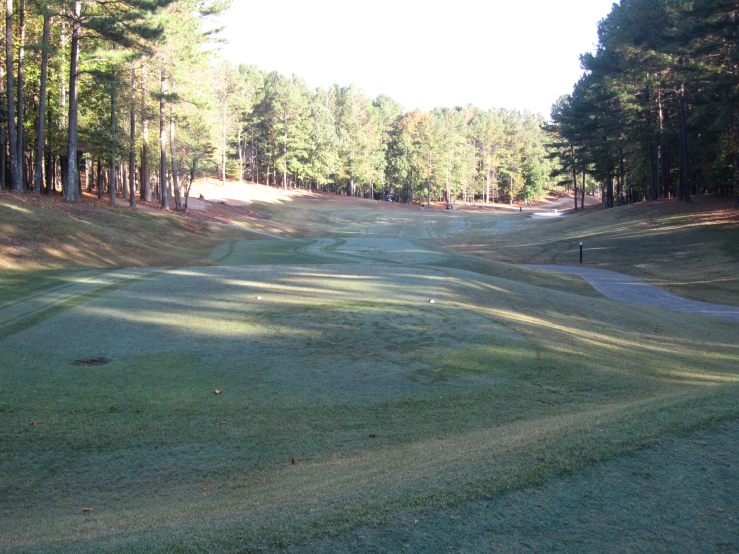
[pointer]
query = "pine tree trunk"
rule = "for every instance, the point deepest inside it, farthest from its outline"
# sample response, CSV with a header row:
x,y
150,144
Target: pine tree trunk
x,y
487,180
241,159
99,179
223,168
510,200
37,178
19,111
49,171
621,179
574,172
609,192
112,191
684,193
650,132
3,138
175,173
3,148
664,154
15,179
582,197
71,190
88,181
163,188
255,177
132,151
284,171
145,177
112,184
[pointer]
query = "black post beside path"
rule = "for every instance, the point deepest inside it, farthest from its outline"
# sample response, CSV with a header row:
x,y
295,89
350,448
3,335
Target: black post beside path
x,y
580,252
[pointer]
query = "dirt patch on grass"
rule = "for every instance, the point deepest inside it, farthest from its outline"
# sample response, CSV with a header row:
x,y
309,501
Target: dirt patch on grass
x,y
88,362
221,211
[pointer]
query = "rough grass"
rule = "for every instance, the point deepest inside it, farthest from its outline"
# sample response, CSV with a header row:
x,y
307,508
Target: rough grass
x,y
390,407
692,250
42,233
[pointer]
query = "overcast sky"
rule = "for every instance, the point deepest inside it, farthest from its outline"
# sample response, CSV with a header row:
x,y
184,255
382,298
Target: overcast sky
x,y
520,54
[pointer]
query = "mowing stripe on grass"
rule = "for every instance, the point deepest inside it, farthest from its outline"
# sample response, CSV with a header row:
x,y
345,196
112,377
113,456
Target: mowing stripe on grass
x,y
51,305
339,493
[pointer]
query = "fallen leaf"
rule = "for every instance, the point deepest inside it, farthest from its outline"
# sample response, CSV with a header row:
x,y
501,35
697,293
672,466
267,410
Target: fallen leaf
x,y
373,435
205,489
32,423
217,391
86,510
293,461
223,422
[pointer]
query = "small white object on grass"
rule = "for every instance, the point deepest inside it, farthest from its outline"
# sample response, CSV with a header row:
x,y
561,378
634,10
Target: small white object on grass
x,y
431,301
259,297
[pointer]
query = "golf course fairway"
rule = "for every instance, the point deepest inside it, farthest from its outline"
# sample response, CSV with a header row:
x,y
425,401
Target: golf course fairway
x,y
305,394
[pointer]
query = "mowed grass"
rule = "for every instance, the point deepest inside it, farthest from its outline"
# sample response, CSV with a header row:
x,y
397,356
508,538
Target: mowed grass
x,y
384,401
387,404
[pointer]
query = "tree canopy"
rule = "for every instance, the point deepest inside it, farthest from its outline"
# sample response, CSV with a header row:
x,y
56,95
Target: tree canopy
x,y
655,114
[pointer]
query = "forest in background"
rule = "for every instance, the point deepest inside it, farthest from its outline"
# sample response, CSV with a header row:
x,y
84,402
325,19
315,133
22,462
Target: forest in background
x,y
656,112
135,88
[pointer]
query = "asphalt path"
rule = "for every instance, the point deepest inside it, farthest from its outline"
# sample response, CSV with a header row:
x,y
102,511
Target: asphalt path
x,y
635,291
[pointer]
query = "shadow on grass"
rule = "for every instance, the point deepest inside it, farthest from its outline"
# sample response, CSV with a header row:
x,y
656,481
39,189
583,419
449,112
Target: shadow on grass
x,y
462,396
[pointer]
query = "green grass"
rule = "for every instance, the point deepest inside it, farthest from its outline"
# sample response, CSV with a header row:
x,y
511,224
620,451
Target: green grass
x,y
389,405
610,505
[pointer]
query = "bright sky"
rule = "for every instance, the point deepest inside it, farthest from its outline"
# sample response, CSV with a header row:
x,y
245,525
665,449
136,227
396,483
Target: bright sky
x,y
520,54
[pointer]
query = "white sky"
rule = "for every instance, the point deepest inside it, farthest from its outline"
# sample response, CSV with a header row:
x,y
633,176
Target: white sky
x,y
520,54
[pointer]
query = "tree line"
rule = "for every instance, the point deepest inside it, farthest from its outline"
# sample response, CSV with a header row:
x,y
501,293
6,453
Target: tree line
x,y
83,85
279,132
656,113
128,98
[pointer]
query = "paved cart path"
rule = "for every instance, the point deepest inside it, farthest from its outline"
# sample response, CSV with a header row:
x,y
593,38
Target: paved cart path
x,y
632,289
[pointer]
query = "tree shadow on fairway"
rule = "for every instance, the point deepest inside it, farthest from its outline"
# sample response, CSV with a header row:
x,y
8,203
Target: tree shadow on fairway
x,y
386,401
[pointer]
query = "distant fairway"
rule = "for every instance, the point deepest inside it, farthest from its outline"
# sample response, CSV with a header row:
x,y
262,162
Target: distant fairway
x,y
348,399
